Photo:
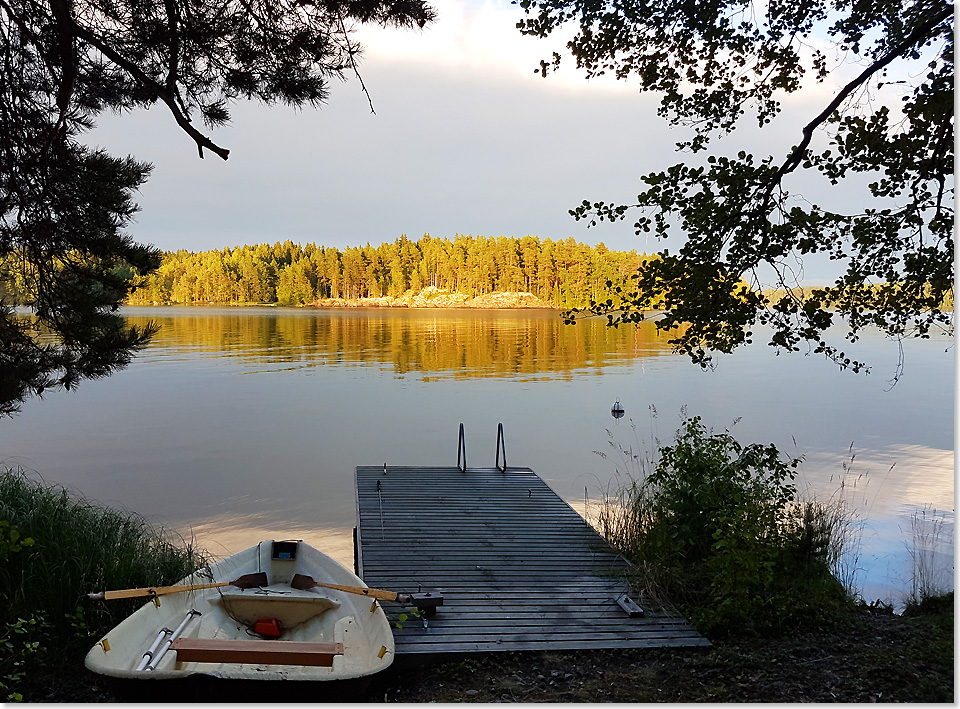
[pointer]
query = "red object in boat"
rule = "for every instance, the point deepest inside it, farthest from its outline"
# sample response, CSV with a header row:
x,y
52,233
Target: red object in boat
x,y
268,628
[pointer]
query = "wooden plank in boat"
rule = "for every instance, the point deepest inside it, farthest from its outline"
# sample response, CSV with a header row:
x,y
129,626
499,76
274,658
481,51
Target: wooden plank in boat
x,y
256,652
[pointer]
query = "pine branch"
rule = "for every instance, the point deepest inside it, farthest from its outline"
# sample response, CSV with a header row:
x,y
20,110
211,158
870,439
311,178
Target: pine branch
x,y
162,92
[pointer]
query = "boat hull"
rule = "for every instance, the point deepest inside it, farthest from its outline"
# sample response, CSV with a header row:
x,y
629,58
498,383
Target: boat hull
x,y
350,633
202,689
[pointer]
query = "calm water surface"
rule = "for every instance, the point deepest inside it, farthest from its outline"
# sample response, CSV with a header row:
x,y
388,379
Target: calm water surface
x,y
243,424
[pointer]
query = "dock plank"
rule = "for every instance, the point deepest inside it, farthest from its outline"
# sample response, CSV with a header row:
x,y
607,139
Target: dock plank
x,y
518,568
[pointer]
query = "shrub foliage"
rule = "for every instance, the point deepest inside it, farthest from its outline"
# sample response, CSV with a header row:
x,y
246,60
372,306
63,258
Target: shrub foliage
x,y
717,528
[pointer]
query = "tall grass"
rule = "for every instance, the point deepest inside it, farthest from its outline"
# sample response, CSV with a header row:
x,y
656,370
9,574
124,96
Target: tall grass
x,y
717,530
848,504
929,548
79,547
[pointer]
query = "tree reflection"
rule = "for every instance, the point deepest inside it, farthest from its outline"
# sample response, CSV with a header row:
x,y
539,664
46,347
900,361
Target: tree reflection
x,y
448,344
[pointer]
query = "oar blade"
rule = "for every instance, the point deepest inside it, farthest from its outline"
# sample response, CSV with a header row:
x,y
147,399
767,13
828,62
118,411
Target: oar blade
x,y
250,580
302,582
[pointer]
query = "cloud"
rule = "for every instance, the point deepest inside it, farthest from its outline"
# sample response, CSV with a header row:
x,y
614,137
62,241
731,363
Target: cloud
x,y
465,139
477,38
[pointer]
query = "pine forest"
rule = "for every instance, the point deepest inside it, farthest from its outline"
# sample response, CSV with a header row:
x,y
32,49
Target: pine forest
x,y
563,274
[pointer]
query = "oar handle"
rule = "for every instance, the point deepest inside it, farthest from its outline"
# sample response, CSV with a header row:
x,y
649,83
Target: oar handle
x,y
151,591
426,602
244,582
370,592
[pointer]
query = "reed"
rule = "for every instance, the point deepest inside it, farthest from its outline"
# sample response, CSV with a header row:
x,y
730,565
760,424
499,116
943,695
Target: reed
x,y
79,547
930,550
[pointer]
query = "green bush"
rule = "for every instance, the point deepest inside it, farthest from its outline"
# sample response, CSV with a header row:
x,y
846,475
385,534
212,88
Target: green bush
x,y
11,541
20,641
716,527
19,638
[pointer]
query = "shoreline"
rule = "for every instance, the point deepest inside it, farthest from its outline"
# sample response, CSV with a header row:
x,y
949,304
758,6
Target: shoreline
x,y
351,305
426,299
869,656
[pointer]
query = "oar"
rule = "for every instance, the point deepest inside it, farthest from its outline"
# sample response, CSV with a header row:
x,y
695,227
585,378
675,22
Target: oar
x,y
245,581
421,600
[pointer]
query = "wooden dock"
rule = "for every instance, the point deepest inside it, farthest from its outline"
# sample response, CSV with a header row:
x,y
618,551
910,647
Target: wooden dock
x,y
518,568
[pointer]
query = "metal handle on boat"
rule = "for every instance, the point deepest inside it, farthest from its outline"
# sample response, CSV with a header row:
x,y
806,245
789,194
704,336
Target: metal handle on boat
x,y
148,655
155,660
501,446
462,448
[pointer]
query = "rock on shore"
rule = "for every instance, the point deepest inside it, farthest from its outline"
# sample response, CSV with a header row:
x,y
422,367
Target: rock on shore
x,y
432,297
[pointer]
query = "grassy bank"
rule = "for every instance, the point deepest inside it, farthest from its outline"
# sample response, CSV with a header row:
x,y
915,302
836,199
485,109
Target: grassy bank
x,y
869,657
55,548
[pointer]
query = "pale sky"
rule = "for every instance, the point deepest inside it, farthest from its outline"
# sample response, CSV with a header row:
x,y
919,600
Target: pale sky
x,y
466,139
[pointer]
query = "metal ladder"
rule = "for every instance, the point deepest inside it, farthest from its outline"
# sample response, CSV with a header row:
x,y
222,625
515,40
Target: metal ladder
x,y
462,450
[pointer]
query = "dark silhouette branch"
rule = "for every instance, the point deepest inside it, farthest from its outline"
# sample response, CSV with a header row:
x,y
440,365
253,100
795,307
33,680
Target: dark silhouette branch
x,y
795,158
162,92
920,32
353,63
61,10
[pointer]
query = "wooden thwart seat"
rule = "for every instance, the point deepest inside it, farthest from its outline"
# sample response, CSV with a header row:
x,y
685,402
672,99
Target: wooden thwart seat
x,y
256,652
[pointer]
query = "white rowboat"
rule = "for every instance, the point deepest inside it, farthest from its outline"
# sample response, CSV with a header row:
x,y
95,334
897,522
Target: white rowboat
x,y
324,634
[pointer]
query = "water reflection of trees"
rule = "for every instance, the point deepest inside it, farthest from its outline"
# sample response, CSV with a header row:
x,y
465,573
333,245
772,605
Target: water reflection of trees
x,y
454,344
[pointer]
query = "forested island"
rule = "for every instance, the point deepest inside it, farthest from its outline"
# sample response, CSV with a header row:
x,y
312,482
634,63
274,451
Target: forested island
x,y
467,271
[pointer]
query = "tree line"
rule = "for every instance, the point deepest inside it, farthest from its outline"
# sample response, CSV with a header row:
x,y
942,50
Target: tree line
x,y
563,273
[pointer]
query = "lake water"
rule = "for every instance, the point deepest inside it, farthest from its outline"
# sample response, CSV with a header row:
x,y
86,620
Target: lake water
x,y
238,425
